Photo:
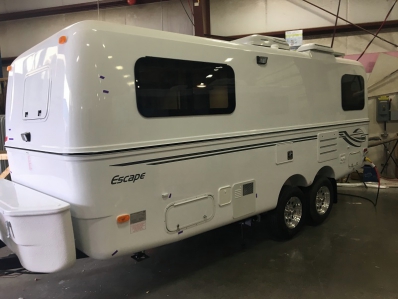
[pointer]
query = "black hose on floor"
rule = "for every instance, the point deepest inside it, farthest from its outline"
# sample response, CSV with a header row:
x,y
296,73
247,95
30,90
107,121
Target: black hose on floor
x,y
374,203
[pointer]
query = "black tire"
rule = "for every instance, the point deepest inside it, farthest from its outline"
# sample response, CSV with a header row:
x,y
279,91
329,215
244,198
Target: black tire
x,y
279,226
319,209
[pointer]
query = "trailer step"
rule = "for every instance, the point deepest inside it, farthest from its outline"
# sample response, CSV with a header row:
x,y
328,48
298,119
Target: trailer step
x,y
10,262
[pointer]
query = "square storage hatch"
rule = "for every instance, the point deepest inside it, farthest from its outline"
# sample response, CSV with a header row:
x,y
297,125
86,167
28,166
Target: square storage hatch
x,y
190,212
36,95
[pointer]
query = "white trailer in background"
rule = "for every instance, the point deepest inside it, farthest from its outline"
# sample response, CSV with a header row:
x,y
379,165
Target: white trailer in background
x,y
151,137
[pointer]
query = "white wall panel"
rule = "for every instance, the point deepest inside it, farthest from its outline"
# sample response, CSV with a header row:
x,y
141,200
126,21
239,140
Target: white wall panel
x,y
23,34
115,15
234,17
296,14
363,11
19,35
175,18
357,43
390,35
23,5
2,7
71,2
378,84
71,18
148,16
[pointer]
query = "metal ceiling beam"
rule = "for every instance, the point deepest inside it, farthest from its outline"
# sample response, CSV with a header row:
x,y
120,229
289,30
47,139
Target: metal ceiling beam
x,y
69,8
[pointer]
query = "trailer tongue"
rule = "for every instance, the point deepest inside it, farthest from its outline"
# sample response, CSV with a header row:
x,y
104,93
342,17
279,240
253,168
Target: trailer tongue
x,y
36,227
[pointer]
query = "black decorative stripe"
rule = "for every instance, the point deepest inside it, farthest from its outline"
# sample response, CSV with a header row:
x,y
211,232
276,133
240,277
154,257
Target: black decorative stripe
x,y
323,140
209,155
215,154
350,139
329,145
177,158
327,152
353,139
185,142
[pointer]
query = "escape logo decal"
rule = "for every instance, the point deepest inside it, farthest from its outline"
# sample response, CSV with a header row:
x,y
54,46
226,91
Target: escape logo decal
x,y
117,179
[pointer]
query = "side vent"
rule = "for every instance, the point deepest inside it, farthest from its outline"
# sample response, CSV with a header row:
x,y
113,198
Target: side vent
x,y
238,193
248,189
244,201
327,146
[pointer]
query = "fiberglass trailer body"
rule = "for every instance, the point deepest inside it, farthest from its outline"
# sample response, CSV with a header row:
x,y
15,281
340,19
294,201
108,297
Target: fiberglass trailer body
x,y
152,137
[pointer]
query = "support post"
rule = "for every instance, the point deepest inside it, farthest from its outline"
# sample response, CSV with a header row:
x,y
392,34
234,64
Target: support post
x,y
201,11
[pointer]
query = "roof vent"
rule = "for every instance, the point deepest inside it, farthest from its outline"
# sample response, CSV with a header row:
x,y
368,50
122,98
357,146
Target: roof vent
x,y
263,41
319,48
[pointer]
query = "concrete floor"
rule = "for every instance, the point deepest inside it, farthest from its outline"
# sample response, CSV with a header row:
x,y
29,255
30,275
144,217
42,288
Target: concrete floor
x,y
354,254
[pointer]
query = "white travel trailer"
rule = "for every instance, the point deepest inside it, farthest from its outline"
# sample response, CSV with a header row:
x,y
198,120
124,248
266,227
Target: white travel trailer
x,y
140,138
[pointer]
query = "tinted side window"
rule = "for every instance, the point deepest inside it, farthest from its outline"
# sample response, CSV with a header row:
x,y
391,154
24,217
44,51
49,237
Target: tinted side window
x,y
171,87
352,92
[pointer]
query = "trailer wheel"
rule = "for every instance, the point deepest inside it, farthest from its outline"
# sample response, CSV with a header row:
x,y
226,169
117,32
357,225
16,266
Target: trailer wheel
x,y
288,217
320,197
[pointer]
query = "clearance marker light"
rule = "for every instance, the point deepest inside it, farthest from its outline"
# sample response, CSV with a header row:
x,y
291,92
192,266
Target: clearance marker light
x,y
9,68
62,39
123,218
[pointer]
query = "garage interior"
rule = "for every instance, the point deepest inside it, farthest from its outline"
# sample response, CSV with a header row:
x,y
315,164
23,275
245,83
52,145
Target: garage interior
x,y
353,254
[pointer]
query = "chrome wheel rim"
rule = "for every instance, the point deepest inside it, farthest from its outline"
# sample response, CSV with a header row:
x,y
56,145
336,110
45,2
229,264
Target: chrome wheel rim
x,y
293,212
322,201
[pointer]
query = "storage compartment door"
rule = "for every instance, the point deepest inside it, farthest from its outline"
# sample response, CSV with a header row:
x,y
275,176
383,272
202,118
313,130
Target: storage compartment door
x,y
355,159
190,212
244,199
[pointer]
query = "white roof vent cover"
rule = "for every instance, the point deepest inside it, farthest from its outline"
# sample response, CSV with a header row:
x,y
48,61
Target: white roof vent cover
x,y
263,41
319,48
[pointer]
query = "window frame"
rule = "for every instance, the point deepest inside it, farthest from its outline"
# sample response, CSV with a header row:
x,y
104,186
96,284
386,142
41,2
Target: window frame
x,y
155,113
362,84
